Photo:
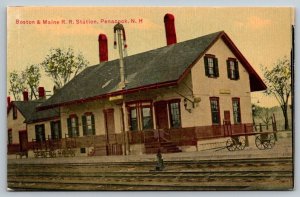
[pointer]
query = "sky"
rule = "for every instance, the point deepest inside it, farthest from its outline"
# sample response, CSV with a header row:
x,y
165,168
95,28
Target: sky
x,y
263,35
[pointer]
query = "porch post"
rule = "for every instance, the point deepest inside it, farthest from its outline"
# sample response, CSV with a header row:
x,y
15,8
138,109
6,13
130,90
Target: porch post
x,y
125,129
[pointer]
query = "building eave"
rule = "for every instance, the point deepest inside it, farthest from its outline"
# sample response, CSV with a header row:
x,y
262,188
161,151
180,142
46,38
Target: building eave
x,y
116,93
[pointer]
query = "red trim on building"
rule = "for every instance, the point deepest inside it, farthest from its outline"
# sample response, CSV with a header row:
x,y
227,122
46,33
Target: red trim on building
x,y
121,92
210,55
187,71
256,83
88,113
73,116
139,101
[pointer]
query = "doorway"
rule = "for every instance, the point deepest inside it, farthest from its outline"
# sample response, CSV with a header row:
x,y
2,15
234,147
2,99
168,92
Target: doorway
x,y
109,124
23,138
227,123
161,114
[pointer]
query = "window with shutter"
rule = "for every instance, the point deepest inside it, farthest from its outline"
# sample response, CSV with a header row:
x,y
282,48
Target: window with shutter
x,y
232,69
140,115
73,128
236,110
174,113
93,125
211,66
215,110
84,125
88,124
55,129
40,133
216,68
133,118
10,137
237,74
147,117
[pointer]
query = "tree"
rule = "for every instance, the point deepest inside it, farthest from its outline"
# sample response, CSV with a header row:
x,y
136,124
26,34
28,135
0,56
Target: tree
x,y
278,81
264,114
62,65
32,77
17,84
26,79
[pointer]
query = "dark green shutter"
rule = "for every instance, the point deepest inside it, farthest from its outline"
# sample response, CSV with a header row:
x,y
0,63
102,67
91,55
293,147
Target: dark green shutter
x,y
228,69
77,126
69,127
52,130
59,129
43,132
93,124
236,67
206,66
216,67
84,127
36,133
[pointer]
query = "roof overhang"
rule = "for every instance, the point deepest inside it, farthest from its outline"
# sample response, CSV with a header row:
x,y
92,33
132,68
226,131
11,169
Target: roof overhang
x,y
256,83
116,93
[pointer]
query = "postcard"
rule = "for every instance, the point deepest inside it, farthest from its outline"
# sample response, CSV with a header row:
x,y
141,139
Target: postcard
x,y
150,98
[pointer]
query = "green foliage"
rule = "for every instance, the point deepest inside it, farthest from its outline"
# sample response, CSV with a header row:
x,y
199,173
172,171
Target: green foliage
x,y
62,65
26,79
264,114
17,84
32,76
278,81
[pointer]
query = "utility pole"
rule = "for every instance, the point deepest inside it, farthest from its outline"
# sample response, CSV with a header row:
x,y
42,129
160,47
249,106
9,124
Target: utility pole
x,y
119,32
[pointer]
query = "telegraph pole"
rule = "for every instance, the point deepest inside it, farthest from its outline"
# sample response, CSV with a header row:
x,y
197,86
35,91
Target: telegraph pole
x,y
119,33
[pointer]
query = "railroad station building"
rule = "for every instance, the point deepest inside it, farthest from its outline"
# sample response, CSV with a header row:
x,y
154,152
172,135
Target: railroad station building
x,y
174,98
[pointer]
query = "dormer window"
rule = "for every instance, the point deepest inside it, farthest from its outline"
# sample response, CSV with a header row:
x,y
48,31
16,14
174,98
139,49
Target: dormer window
x,y
233,69
211,66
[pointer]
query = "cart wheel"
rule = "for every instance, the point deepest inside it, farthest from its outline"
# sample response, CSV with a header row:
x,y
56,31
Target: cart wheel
x,y
271,141
241,144
230,145
260,144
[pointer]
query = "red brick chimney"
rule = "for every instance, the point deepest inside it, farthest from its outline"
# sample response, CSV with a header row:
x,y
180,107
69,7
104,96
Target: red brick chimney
x,y
41,91
103,51
25,95
8,101
170,29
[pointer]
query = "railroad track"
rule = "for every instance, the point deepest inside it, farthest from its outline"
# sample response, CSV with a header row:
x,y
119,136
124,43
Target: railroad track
x,y
269,174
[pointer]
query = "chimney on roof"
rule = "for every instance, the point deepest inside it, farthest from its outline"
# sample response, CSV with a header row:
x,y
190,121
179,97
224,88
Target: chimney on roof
x,y
8,100
25,95
41,91
170,29
103,51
